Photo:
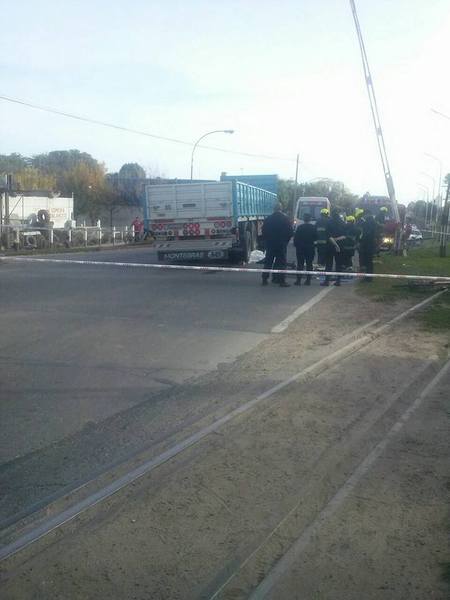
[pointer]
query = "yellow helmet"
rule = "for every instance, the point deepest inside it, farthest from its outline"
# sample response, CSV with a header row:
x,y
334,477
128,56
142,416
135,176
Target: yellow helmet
x,y
350,219
325,211
383,209
358,212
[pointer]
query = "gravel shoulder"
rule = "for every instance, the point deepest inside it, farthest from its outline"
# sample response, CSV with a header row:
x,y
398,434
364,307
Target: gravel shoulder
x,y
214,520
389,539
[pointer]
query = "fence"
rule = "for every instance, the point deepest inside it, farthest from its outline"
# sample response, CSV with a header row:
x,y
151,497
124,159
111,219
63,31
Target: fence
x,y
24,237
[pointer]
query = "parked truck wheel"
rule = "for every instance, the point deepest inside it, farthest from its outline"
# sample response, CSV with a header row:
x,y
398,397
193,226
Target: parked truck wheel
x,y
235,256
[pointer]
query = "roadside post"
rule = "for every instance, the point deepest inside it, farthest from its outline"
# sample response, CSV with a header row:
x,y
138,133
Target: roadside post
x,y
6,221
444,225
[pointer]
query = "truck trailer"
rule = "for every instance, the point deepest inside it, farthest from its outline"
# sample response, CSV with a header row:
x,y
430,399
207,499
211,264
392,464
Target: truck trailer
x,y
206,221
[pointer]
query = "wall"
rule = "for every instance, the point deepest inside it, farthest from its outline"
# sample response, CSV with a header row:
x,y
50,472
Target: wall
x,y
24,209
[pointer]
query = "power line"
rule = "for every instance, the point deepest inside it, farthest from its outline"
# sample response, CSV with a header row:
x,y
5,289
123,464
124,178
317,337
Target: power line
x,y
440,113
137,131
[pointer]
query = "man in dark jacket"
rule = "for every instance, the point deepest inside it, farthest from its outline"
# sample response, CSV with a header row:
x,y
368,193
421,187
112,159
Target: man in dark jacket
x,y
367,244
276,233
335,240
321,243
304,238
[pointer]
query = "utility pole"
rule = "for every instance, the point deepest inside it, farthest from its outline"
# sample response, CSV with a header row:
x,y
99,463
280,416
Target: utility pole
x,y
377,124
6,220
444,225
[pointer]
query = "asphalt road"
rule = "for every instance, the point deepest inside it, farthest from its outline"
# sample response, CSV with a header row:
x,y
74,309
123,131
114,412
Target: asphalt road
x,y
81,345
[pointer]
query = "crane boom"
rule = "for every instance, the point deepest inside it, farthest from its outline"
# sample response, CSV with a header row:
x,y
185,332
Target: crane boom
x,y
375,115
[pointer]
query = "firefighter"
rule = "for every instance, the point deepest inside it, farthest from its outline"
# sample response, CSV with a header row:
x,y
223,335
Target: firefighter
x,y
350,241
382,215
321,242
367,244
335,239
304,239
359,214
276,233
380,224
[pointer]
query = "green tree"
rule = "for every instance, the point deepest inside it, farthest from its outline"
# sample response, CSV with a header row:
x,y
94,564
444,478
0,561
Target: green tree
x,y
30,178
88,184
13,163
130,182
59,163
337,193
286,194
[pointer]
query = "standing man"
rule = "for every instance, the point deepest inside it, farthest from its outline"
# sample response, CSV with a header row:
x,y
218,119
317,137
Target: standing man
x,y
351,239
138,227
321,242
304,239
335,240
276,233
367,244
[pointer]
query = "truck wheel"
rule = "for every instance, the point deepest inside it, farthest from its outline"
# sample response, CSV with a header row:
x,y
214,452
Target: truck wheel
x,y
235,256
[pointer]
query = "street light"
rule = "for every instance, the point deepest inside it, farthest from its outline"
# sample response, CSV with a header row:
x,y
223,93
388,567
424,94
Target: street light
x,y
432,179
424,187
434,189
438,160
200,139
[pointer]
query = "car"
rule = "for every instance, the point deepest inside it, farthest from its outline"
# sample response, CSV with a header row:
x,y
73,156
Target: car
x,y
416,234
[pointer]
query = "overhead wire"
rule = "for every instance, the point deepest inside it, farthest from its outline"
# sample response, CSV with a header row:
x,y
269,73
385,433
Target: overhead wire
x,y
137,131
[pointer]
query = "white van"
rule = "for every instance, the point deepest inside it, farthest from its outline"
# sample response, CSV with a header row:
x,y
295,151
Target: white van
x,y
311,205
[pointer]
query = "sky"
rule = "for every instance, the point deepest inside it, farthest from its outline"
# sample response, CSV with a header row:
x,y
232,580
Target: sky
x,y
285,75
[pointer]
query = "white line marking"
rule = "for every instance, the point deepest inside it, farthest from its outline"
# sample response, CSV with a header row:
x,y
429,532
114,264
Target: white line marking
x,y
100,263
300,310
292,556
72,512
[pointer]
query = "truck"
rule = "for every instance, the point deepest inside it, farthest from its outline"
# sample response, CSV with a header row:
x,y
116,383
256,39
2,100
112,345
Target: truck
x,y
206,221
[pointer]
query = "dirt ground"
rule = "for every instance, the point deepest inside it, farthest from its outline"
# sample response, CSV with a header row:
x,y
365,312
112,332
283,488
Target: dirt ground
x,y
214,521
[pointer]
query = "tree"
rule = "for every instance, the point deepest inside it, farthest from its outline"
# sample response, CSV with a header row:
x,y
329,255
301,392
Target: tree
x,y
13,163
337,193
129,182
286,193
59,163
31,178
88,184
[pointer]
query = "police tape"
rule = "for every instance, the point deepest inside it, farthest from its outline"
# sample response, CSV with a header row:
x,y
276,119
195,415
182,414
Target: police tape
x,y
215,269
436,232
